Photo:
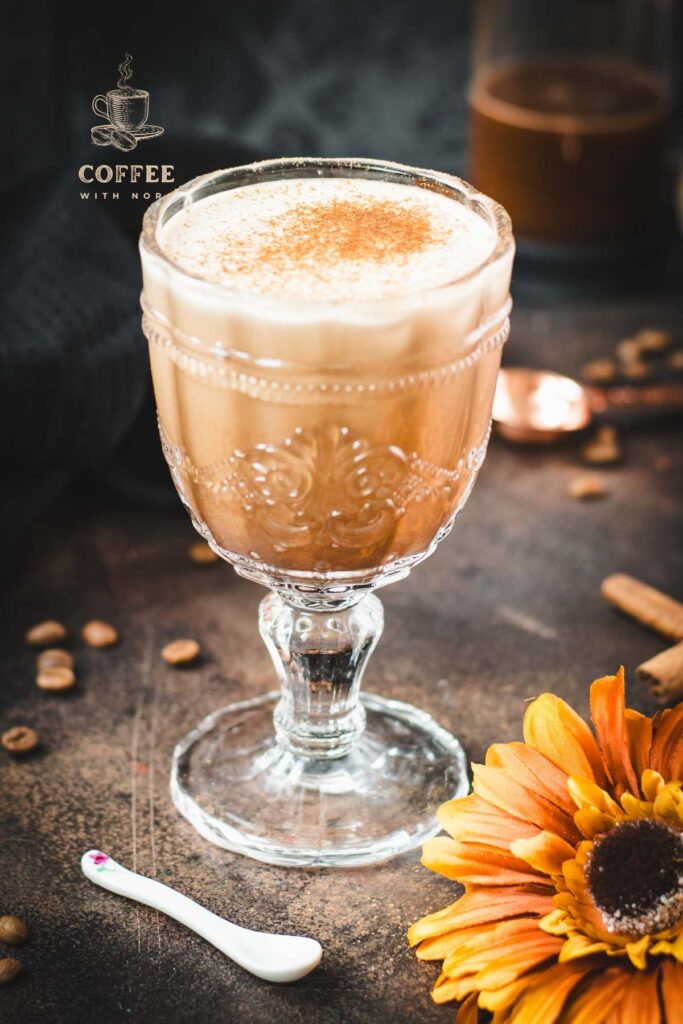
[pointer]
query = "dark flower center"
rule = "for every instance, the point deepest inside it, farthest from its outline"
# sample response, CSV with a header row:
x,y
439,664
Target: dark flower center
x,y
635,876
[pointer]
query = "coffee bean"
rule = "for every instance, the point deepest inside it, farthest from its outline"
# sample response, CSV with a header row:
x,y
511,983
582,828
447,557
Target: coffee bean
x,y
45,633
652,341
676,359
99,634
600,371
13,931
20,739
603,448
202,554
55,657
9,968
108,135
635,370
628,350
123,140
100,135
630,355
601,454
58,678
586,487
180,652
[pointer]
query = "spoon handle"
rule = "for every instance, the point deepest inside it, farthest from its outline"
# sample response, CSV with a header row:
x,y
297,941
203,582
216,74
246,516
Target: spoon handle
x,y
278,958
107,873
637,398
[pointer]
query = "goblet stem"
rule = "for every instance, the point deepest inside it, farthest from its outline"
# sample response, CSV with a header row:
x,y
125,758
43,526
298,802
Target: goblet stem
x,y
320,657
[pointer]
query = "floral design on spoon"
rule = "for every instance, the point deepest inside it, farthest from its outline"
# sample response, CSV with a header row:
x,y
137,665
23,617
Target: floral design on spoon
x,y
100,860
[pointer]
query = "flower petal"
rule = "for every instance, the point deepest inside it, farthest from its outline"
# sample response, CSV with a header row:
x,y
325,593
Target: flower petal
x,y
476,863
503,946
671,976
637,952
471,819
669,803
557,922
607,711
586,793
546,852
577,946
639,733
543,1001
592,822
639,1003
666,754
445,989
532,770
468,1012
499,969
651,783
595,1003
498,787
558,732
636,808
482,906
506,995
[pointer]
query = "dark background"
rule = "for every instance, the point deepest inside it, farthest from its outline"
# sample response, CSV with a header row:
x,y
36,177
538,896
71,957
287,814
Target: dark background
x,y
294,77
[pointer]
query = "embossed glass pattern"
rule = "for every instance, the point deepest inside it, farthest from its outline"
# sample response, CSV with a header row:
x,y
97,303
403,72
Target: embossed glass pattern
x,y
323,449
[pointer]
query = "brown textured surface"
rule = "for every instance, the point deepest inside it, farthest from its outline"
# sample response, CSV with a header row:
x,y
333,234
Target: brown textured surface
x,y
509,606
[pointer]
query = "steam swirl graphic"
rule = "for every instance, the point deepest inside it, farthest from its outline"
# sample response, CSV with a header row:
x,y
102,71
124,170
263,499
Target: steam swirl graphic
x,y
126,72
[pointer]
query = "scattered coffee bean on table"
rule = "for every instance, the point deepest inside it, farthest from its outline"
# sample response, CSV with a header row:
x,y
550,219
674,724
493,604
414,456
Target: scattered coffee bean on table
x,y
628,350
636,369
600,371
202,554
55,657
57,678
9,968
43,634
630,355
587,486
180,652
652,341
13,931
676,359
603,448
19,740
99,634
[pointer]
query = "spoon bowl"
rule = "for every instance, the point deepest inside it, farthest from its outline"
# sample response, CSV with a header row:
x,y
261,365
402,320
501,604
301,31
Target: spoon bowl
x,y
541,407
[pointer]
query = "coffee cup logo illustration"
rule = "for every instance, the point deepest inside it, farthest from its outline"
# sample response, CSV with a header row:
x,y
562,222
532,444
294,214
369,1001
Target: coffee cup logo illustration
x,y
125,111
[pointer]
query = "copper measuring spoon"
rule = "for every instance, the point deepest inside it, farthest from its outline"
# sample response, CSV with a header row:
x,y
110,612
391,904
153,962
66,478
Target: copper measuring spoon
x,y
539,406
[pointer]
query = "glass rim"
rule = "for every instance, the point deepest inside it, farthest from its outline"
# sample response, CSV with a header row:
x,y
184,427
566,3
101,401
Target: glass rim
x,y
287,167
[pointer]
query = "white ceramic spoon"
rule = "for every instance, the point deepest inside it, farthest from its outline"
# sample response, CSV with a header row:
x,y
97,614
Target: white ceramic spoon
x,y
278,958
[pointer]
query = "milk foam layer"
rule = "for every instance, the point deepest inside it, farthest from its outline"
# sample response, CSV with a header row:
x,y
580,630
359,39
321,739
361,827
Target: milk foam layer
x,y
328,239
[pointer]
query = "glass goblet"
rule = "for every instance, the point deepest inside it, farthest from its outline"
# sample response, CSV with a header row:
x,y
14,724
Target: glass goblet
x,y
324,449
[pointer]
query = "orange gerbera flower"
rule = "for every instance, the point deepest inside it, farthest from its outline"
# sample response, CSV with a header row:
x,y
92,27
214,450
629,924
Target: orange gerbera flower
x,y
571,854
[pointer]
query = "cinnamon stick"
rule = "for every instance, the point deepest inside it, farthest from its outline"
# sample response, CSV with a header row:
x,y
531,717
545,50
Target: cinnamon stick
x,y
649,606
664,674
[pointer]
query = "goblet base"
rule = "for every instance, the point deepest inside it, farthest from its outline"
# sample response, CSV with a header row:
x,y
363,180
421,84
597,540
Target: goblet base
x,y
245,791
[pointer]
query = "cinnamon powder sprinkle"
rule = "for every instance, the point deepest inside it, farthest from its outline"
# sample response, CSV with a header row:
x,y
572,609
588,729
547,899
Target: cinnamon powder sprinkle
x,y
346,230
333,239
